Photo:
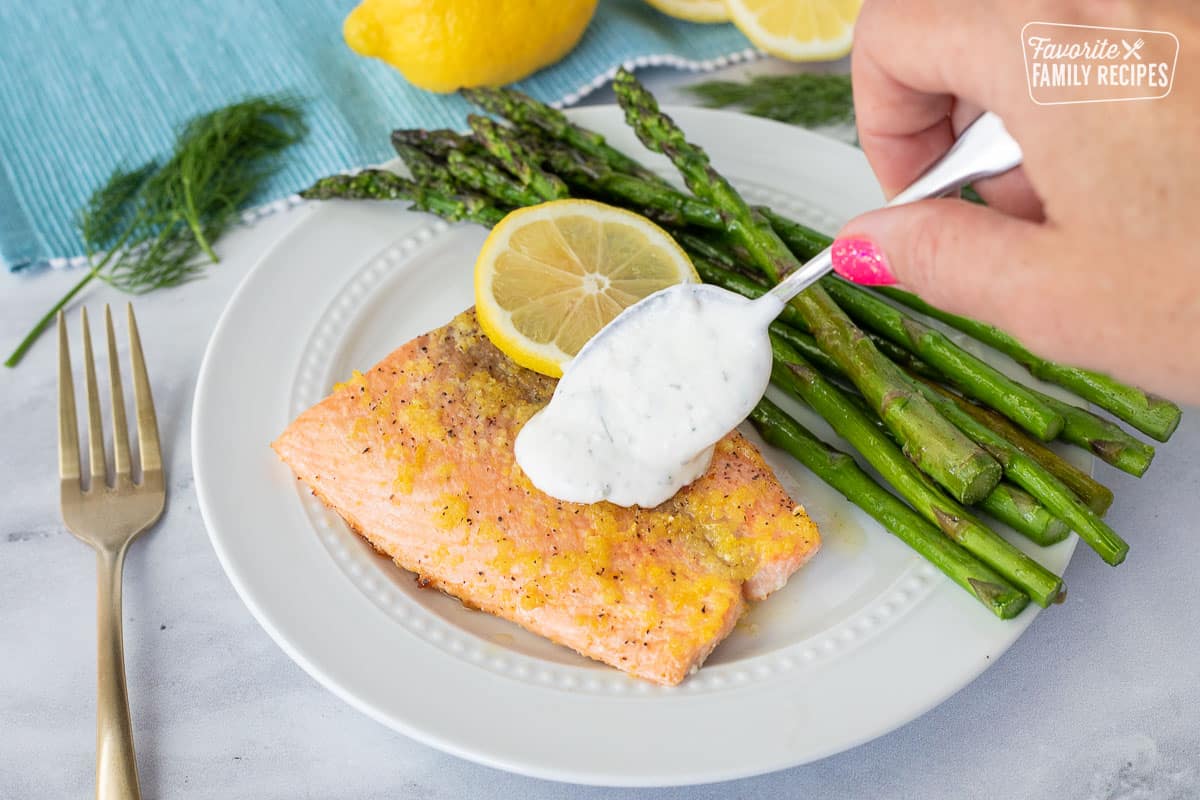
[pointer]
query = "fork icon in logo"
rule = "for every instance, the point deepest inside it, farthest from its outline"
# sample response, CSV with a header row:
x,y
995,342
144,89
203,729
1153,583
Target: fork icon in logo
x,y
1132,49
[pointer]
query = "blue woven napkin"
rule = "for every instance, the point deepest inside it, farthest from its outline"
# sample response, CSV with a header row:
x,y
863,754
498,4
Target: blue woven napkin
x,y
86,86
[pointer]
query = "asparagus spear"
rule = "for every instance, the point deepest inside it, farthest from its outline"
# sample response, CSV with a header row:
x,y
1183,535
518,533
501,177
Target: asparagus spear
x,y
528,156
529,114
1150,414
663,203
935,445
1107,440
801,239
1007,503
798,378
841,472
716,252
1021,511
1039,482
438,159
506,148
1097,496
470,162
378,184
443,155
806,346
1094,494
425,170
906,359
437,144
485,177
978,379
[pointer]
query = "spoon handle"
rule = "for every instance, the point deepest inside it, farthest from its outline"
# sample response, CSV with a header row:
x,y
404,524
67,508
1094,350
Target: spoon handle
x,y
982,150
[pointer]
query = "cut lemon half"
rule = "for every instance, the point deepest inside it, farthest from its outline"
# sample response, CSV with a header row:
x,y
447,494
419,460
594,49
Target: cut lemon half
x,y
797,30
693,10
550,276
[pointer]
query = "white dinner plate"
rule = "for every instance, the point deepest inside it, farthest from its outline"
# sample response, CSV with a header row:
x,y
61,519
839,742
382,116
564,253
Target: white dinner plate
x,y
865,638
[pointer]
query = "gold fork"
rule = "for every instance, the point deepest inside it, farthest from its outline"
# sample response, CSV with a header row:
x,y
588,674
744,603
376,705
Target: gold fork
x,y
108,518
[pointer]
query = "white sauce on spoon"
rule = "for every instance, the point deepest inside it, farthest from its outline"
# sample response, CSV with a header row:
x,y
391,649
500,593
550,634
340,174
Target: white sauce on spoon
x,y
637,412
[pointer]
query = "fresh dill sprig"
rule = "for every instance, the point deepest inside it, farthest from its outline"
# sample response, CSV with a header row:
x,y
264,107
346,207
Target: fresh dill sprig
x,y
108,210
152,227
807,99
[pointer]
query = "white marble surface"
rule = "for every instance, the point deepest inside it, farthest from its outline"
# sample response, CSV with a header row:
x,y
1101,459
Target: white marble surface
x,y
1100,699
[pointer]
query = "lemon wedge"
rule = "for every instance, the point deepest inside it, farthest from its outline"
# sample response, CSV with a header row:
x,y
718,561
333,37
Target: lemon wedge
x,y
797,30
550,276
693,10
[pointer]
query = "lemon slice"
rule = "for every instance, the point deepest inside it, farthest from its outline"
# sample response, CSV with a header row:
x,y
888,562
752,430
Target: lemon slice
x,y
797,30
693,10
550,276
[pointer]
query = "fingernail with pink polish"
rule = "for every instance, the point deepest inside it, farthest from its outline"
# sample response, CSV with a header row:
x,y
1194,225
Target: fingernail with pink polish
x,y
860,260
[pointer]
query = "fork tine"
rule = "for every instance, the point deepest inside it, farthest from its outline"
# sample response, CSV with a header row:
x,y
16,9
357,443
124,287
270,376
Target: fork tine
x,y
68,426
120,429
147,423
95,429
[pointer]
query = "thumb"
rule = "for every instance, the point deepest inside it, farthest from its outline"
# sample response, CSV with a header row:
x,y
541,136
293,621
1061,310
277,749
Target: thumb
x,y
948,251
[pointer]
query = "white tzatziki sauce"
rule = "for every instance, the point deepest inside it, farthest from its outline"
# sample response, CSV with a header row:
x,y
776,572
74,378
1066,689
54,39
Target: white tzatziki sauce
x,y
638,410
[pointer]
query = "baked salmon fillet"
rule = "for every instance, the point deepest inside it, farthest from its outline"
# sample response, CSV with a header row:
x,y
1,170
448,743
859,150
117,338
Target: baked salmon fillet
x,y
417,456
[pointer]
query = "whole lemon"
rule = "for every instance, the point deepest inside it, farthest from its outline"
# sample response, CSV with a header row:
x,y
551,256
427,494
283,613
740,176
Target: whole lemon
x,y
444,45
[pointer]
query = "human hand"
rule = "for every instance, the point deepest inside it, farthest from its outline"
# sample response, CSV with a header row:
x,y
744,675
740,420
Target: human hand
x,y
1087,253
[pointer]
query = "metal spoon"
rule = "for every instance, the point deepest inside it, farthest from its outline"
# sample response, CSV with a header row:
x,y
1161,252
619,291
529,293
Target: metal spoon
x,y
983,149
